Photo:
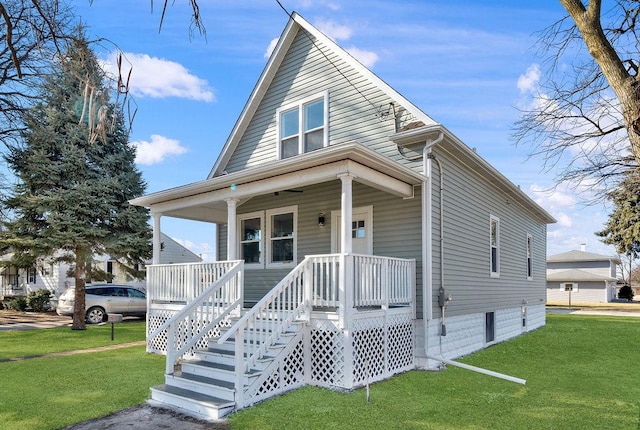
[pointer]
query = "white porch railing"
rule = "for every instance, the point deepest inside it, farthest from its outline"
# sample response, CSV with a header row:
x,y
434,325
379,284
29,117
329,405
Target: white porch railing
x,y
202,315
181,283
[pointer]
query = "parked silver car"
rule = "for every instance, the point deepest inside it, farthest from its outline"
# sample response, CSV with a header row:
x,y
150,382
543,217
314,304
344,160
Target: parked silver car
x,y
105,299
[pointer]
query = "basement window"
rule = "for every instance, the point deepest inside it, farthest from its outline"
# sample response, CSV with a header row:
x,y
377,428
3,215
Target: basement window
x,y
489,327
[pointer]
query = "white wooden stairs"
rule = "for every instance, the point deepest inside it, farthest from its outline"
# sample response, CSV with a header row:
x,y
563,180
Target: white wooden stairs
x,y
203,385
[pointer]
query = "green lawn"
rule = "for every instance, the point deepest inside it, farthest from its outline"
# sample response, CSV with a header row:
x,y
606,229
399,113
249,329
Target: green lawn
x,y
50,393
581,373
25,343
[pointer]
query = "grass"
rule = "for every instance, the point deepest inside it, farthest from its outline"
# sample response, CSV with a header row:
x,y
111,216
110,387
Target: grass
x,y
27,343
581,372
50,393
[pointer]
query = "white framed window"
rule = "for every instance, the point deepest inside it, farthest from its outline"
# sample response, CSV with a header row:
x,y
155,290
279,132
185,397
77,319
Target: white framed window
x,y
250,232
529,257
569,287
302,126
494,246
281,236
268,238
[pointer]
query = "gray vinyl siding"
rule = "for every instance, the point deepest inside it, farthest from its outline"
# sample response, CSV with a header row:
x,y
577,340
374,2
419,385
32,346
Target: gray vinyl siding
x,y
602,268
352,114
396,228
588,292
469,201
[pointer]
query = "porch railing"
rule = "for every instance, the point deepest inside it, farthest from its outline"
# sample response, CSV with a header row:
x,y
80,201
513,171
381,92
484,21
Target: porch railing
x,y
181,283
200,317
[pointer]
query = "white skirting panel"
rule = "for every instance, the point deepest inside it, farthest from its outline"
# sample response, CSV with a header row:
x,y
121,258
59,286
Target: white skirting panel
x,y
466,334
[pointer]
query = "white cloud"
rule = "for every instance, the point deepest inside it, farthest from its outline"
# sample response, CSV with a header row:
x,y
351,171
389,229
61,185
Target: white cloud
x,y
552,198
204,249
271,47
563,219
159,78
333,30
528,83
154,152
368,58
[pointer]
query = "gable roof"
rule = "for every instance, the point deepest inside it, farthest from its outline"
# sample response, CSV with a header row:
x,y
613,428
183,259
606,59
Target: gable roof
x,y
297,23
577,275
423,126
571,256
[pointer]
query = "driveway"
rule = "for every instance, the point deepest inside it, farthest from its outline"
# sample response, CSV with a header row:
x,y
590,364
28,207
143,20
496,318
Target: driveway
x,y
15,320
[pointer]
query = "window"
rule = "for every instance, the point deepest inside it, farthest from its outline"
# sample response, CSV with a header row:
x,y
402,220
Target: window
x,y
251,238
570,287
357,229
282,238
494,233
490,327
302,126
529,257
110,272
276,247
31,275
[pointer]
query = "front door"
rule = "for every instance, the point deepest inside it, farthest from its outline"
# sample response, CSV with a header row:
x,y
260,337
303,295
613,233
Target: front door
x,y
361,231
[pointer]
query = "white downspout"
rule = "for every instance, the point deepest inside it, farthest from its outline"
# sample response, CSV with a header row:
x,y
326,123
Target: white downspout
x,y
427,239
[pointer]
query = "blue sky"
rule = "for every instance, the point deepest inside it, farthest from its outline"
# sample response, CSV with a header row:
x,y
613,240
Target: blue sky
x,y
467,64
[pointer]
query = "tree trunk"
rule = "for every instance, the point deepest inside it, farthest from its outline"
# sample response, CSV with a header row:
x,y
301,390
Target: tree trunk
x,y
80,300
588,22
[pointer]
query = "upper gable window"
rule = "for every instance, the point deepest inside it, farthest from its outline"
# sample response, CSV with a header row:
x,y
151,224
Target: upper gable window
x,y
302,126
494,246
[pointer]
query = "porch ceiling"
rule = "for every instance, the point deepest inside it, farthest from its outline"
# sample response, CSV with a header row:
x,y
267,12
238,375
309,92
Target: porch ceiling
x,y
206,200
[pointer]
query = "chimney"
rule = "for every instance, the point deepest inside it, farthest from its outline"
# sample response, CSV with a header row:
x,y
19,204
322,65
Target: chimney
x,y
583,247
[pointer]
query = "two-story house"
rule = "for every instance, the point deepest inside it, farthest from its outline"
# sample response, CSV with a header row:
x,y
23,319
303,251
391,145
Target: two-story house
x,y
358,238
581,277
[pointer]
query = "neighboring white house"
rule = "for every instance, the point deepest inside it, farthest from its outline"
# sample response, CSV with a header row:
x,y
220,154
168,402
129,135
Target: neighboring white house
x,y
358,238
581,277
54,277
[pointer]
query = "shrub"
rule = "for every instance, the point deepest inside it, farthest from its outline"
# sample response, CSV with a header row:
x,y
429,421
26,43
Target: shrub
x,y
626,292
39,301
16,304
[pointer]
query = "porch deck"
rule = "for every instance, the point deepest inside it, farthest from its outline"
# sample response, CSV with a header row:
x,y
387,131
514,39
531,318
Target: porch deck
x,y
337,321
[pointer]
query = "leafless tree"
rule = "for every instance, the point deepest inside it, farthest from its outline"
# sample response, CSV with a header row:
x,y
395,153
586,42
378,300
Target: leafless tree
x,y
584,120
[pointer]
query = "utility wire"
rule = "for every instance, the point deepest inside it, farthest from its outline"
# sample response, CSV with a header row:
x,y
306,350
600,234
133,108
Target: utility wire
x,y
306,33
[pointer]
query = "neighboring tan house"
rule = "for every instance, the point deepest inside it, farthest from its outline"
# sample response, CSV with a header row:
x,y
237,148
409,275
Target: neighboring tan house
x,y
358,239
581,277
54,277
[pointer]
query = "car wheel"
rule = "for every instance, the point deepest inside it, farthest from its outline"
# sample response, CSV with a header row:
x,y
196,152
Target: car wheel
x,y
95,315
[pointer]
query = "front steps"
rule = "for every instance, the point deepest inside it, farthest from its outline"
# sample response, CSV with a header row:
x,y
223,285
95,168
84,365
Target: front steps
x,y
203,386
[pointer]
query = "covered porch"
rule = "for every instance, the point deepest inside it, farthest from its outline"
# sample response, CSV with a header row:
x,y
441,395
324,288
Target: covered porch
x,y
337,319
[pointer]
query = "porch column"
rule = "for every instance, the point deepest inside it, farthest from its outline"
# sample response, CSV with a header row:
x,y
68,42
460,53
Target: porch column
x,y
346,213
157,244
232,238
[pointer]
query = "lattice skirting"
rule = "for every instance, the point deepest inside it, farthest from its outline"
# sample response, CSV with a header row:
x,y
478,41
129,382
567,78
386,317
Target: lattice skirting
x,y
378,347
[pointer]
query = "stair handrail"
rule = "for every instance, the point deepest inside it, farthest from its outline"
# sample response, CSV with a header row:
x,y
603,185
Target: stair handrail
x,y
205,292
216,313
265,341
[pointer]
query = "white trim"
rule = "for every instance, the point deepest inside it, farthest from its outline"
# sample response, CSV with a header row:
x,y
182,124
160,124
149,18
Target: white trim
x,y
496,273
268,239
299,105
367,211
574,287
245,216
529,257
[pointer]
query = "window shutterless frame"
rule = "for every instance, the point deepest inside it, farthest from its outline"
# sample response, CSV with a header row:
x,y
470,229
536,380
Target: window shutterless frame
x,y
251,236
494,246
529,263
303,126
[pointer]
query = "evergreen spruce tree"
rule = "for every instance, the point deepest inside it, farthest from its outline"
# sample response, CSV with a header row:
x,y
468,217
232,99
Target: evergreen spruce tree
x,y
623,227
76,174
